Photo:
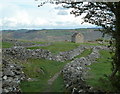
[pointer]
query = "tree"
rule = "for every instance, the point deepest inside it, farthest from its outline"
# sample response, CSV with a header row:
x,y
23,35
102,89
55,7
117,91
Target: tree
x,y
105,14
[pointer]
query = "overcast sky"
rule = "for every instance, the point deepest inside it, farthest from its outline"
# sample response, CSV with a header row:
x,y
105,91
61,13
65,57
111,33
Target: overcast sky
x,y
25,14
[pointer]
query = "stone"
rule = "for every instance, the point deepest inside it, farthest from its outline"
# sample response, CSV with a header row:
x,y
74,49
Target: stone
x,y
5,77
11,80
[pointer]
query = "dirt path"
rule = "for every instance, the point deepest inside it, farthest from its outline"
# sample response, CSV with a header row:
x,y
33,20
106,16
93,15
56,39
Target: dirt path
x,y
51,80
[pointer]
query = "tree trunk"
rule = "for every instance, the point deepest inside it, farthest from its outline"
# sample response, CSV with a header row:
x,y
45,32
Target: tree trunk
x,y
117,43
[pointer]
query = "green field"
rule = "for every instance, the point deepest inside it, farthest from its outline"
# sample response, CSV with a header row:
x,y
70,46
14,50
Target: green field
x,y
41,70
46,69
57,47
6,45
36,42
97,75
85,53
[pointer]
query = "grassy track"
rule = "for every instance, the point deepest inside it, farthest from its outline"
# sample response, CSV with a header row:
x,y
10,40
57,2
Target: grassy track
x,y
58,85
43,70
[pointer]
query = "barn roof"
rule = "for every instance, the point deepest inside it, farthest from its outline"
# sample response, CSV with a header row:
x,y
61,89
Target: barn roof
x,y
76,34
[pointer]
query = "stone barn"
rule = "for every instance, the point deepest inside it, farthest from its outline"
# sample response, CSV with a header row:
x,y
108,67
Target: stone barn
x,y
77,38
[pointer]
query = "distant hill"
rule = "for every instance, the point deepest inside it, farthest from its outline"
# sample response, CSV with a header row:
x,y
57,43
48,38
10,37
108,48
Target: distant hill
x,y
51,34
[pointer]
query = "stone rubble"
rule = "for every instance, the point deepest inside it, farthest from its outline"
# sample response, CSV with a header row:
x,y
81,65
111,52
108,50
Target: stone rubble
x,y
12,75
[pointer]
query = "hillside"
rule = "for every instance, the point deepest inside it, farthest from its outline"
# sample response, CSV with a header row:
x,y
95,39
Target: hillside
x,y
51,34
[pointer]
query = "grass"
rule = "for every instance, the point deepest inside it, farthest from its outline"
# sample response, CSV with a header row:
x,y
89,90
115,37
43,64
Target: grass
x,y
32,69
6,45
57,47
36,42
58,84
85,53
0,44
94,44
42,70
48,69
33,86
96,77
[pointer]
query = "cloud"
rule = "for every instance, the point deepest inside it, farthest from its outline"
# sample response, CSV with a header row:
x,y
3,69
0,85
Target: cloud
x,y
19,18
62,12
60,8
16,15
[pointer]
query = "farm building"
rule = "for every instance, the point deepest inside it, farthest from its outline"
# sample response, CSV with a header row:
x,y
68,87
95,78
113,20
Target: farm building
x,y
77,38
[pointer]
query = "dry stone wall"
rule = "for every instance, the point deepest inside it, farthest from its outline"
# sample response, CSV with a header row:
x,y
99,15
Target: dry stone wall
x,y
23,53
74,72
69,55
